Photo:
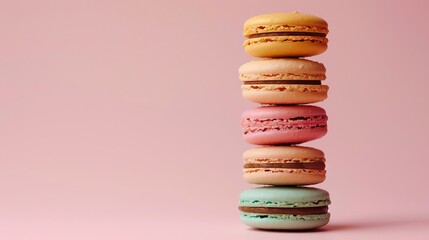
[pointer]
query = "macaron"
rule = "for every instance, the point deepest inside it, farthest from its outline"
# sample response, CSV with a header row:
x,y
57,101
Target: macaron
x,y
272,125
284,165
285,35
283,81
284,208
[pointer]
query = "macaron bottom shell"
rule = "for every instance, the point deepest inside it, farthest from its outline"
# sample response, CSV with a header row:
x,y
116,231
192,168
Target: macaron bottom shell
x,y
279,48
282,177
284,221
290,136
273,96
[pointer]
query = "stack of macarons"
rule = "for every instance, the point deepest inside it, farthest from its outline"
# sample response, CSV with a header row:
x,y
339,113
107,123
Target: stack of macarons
x,y
284,83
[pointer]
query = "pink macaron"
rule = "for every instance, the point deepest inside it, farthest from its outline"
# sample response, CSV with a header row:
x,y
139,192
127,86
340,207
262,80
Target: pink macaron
x,y
268,125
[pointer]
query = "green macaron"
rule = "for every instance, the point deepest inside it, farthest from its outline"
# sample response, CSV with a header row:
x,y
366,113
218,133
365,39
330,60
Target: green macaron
x,y
285,208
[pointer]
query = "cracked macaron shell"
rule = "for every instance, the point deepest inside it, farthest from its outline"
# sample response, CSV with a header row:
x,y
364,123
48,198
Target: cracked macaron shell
x,y
283,176
278,70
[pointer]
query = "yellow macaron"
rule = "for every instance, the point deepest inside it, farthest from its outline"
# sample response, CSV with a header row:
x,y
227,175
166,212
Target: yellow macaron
x,y
285,35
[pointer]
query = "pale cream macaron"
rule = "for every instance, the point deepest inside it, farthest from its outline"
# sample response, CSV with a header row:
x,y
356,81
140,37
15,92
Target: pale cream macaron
x,y
283,81
285,35
284,165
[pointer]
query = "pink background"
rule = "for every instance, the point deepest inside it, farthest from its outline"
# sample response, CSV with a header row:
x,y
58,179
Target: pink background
x,y
120,119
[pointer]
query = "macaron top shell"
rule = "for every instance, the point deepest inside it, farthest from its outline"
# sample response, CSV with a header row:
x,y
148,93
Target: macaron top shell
x,y
285,22
280,152
285,112
288,197
282,69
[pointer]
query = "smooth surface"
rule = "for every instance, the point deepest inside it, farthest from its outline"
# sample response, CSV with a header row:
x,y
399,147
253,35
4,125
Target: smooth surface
x,y
282,69
88,90
284,197
284,22
283,177
284,152
282,112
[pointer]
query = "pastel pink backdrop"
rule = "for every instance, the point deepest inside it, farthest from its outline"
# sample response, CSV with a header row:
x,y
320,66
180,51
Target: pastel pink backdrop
x,y
120,119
